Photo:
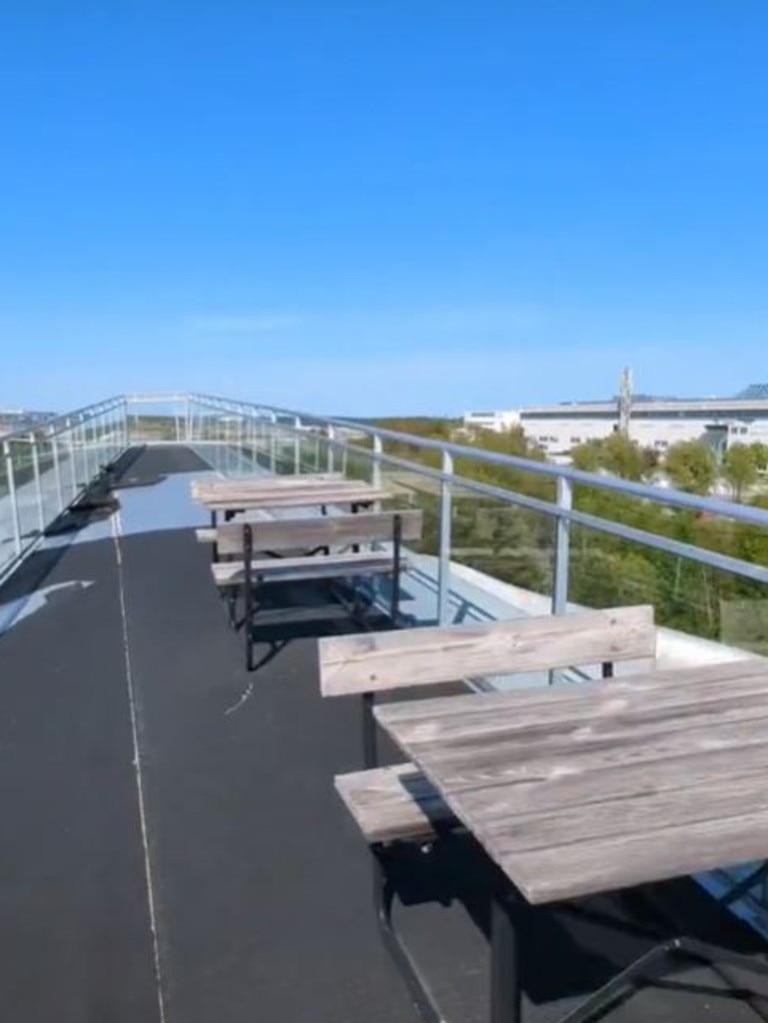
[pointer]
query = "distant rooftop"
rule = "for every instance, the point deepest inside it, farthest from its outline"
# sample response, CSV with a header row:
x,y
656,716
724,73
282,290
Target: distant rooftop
x,y
20,419
752,392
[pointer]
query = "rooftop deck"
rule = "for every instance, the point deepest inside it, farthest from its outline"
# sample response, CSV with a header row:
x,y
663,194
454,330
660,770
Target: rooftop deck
x,y
174,849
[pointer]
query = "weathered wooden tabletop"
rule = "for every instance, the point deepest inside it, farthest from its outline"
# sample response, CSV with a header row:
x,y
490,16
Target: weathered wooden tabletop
x,y
250,484
574,789
323,493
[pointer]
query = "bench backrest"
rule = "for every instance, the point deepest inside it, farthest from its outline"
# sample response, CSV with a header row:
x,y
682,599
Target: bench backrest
x,y
378,661
320,531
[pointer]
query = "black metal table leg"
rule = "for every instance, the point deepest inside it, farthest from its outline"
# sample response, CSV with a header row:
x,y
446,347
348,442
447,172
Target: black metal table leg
x,y
248,597
383,898
215,547
370,752
505,976
397,533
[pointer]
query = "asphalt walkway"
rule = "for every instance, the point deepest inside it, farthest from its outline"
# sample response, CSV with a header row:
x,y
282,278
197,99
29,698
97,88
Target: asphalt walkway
x,y
173,848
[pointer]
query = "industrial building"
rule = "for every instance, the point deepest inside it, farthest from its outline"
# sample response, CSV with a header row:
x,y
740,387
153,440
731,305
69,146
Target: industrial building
x,y
652,422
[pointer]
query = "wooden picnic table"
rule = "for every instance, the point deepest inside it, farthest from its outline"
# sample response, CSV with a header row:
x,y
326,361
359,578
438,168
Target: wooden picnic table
x,y
589,787
338,492
228,486
585,788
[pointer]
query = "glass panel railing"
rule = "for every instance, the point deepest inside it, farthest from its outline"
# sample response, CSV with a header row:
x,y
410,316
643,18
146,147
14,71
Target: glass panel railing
x,y
512,546
27,493
7,533
42,472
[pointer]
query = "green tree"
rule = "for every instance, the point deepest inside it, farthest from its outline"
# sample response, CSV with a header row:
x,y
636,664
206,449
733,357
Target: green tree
x,y
586,456
618,455
623,457
760,452
691,466
740,468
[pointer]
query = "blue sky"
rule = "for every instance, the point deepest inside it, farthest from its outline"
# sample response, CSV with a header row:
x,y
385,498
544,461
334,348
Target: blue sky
x,y
375,207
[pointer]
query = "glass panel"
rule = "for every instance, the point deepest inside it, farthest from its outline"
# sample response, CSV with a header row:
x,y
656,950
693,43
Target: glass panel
x,y
7,547
688,596
48,485
63,443
26,489
502,557
411,489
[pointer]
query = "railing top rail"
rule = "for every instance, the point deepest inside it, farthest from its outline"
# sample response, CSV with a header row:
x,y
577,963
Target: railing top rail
x,y
643,491
58,423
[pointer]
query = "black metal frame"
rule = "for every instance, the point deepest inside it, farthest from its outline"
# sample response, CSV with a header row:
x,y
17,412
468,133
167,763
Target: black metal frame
x,y
505,982
383,901
505,946
248,598
250,583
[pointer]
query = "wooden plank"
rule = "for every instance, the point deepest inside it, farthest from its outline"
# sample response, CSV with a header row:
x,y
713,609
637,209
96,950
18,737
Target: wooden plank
x,y
392,803
335,566
320,531
389,660
506,762
549,875
296,498
550,786
234,491
275,484
241,483
727,796
548,698
611,710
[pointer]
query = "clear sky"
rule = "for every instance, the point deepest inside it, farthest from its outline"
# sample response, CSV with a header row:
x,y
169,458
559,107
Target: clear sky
x,y
382,205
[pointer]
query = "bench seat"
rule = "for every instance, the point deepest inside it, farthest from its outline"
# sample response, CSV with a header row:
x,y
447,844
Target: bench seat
x,y
391,803
322,566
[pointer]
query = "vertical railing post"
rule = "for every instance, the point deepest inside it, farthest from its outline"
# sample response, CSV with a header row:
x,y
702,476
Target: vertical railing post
x,y
562,547
9,473
444,556
329,433
273,444
297,446
376,467
72,458
38,483
86,451
57,472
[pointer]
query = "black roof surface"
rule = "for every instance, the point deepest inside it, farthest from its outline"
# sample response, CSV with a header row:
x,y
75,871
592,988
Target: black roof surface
x,y
230,885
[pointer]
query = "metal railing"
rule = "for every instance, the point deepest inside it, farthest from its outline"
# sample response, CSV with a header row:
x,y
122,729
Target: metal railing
x,y
45,469
268,430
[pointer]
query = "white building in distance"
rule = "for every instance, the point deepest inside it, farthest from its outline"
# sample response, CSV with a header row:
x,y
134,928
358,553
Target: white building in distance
x,y
496,421
653,422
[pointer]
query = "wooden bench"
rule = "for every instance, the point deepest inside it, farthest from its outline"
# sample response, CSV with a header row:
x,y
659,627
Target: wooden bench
x,y
398,803
320,534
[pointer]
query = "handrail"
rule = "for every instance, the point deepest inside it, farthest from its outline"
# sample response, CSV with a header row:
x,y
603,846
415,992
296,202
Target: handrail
x,y
644,491
59,423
